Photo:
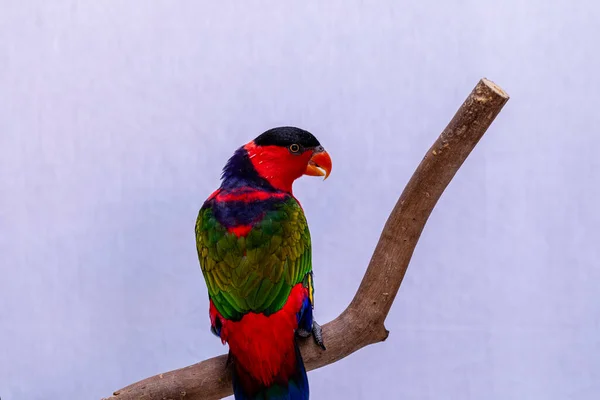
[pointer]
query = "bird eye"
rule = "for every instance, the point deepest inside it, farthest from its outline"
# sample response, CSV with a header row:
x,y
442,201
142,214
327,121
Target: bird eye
x,y
294,148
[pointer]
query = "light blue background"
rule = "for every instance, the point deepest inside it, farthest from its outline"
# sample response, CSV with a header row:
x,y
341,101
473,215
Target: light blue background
x,y
117,116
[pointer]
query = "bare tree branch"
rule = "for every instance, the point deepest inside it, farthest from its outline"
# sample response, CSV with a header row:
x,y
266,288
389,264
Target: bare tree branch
x,y
362,323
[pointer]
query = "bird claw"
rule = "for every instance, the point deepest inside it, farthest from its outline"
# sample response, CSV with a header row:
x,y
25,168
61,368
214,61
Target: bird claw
x,y
316,332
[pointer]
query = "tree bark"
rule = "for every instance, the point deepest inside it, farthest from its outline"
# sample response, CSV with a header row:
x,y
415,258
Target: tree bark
x,y
362,323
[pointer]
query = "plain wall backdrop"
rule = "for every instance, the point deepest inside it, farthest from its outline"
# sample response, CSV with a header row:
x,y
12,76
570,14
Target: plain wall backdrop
x,y
116,118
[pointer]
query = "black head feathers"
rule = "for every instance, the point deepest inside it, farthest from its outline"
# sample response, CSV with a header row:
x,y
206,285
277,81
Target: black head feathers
x,y
286,136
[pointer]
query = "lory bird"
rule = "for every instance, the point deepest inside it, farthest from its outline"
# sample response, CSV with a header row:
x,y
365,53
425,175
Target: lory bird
x,y
254,249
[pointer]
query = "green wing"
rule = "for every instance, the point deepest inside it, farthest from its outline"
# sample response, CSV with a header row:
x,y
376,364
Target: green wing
x,y
254,273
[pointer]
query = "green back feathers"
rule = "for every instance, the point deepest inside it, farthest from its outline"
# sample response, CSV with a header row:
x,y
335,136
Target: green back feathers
x,y
254,273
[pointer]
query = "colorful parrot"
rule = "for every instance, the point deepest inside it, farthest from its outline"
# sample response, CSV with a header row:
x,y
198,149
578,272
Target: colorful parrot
x,y
254,250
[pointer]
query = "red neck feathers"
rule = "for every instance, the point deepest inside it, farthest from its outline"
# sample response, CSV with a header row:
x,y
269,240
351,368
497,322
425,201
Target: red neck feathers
x,y
277,165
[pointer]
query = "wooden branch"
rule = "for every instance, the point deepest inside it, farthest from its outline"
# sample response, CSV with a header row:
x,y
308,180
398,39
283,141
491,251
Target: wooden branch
x,y
362,323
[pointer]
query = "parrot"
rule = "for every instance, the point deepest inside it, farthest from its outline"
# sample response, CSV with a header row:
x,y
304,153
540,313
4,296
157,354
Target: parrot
x,y
254,250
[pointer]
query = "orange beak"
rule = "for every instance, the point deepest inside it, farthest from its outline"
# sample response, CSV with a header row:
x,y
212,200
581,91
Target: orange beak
x,y
319,164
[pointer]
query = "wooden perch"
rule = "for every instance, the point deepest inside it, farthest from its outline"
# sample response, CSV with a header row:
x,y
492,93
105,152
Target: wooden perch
x,y
362,323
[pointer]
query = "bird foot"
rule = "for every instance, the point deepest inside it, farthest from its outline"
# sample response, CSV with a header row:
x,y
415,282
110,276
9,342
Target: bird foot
x,y
317,333
303,333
